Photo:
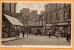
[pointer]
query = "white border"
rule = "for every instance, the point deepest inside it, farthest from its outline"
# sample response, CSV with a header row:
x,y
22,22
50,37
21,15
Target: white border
x,y
37,46
44,46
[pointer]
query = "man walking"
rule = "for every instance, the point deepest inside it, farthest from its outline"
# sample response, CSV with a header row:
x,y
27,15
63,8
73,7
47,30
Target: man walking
x,y
23,33
17,33
49,33
27,34
68,37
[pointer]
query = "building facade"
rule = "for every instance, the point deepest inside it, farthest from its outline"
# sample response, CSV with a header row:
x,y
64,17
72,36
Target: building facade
x,y
10,24
58,15
9,7
25,12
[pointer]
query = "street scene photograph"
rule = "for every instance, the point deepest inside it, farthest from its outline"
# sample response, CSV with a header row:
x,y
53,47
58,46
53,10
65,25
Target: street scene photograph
x,y
42,23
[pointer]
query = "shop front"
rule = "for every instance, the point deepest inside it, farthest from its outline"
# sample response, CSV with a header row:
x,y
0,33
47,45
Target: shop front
x,y
47,28
10,26
64,27
37,30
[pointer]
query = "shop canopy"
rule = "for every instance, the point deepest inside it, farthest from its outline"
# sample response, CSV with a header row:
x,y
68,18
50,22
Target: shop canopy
x,y
13,20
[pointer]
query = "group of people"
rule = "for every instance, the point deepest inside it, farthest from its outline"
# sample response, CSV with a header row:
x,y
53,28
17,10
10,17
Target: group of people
x,y
58,34
22,32
61,34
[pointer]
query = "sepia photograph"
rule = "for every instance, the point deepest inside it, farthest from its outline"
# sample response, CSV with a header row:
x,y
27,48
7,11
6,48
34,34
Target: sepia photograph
x,y
36,24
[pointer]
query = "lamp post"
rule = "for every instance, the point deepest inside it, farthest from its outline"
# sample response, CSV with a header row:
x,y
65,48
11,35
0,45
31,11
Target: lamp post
x,y
46,13
64,11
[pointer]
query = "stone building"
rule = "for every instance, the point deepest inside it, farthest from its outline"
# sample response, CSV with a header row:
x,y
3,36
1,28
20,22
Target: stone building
x,y
58,15
33,14
25,12
9,7
10,24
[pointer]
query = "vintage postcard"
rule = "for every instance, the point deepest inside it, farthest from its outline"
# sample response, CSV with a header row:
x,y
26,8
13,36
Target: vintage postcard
x,y
37,24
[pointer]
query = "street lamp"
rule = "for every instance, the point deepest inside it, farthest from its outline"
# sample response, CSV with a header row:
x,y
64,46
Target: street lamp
x,y
46,14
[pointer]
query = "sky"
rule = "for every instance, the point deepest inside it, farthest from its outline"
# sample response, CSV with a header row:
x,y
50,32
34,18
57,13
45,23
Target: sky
x,y
31,6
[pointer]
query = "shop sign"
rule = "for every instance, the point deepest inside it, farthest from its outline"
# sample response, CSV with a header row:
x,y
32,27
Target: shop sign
x,y
63,23
48,24
48,27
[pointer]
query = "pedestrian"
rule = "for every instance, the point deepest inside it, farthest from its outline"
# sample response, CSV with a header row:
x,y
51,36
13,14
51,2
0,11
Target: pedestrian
x,y
61,32
49,33
36,32
17,34
68,37
27,34
23,33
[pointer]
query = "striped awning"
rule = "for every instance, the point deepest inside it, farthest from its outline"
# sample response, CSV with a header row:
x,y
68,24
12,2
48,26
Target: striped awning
x,y
13,20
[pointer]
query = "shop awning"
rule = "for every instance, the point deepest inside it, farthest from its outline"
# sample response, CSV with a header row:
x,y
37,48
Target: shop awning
x,y
13,20
68,20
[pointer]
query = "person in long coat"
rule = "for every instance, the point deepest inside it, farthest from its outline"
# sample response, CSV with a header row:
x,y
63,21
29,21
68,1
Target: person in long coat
x,y
49,33
68,37
23,32
17,33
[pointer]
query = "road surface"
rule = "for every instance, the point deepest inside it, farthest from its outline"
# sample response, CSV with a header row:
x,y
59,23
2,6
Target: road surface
x,y
38,40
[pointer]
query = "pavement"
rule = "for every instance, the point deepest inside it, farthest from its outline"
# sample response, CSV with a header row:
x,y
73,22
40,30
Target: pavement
x,y
37,40
11,38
